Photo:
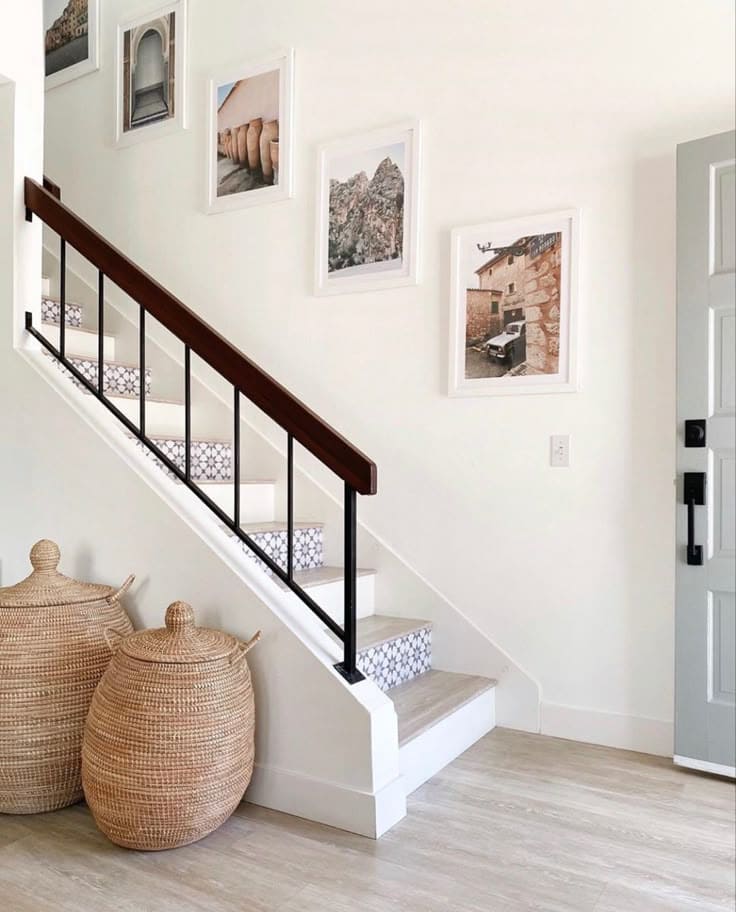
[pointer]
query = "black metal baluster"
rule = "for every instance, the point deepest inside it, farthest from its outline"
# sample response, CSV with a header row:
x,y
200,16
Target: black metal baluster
x,y
100,332
290,507
62,298
188,413
236,457
348,668
142,368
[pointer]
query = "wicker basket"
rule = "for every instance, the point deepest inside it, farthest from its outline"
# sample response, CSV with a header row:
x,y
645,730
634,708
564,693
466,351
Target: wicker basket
x,y
169,741
53,652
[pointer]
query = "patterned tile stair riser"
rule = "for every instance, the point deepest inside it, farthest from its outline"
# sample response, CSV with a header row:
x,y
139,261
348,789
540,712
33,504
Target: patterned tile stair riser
x,y
51,313
120,379
399,660
308,548
211,460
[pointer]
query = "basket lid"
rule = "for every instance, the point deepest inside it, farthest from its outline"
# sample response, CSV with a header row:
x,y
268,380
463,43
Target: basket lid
x,y
180,641
46,587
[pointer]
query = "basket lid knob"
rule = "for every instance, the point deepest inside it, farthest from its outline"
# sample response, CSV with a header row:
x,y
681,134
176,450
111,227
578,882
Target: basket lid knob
x,y
45,556
179,617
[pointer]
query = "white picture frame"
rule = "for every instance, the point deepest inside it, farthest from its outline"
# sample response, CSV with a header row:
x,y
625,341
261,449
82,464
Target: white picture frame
x,y
161,123
90,63
338,159
546,354
256,100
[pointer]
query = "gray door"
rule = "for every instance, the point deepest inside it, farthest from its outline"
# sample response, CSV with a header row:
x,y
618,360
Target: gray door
x,y
705,656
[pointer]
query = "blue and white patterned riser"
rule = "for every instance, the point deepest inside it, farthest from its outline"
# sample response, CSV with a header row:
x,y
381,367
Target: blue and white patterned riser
x,y
51,313
308,547
212,460
120,379
399,660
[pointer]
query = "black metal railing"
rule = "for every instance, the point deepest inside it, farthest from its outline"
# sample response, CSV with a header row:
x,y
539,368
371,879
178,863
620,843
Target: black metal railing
x,y
357,472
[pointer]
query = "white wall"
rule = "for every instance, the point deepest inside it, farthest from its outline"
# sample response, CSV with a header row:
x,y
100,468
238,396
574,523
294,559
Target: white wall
x,y
527,107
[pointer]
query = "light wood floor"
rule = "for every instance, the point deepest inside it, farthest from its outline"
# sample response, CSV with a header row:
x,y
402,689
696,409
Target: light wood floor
x,y
519,822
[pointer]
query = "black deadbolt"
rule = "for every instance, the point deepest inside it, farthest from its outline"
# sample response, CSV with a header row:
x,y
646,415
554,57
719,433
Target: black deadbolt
x,y
695,432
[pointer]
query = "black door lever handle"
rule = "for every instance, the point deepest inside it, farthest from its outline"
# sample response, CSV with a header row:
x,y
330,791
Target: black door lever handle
x,y
693,495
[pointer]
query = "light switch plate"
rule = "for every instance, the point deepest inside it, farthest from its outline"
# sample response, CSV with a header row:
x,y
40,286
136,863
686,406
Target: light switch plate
x,y
560,451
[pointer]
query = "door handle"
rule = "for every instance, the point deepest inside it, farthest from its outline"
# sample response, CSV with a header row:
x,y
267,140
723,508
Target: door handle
x,y
693,495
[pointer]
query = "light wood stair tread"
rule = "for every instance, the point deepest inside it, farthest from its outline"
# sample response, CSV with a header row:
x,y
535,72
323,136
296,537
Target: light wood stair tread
x,y
208,482
135,397
431,697
320,576
278,526
78,329
380,628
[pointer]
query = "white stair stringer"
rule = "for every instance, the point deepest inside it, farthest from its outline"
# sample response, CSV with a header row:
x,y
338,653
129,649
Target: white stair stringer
x,y
369,811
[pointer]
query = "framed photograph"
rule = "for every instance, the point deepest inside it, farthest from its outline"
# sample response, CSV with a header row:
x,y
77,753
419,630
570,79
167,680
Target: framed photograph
x,y
368,211
249,139
151,75
513,322
72,39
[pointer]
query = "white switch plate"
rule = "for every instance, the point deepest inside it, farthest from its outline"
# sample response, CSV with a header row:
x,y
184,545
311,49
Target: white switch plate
x,y
560,451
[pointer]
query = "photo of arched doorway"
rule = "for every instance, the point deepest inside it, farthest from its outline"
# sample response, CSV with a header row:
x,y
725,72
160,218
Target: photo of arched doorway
x,y
149,72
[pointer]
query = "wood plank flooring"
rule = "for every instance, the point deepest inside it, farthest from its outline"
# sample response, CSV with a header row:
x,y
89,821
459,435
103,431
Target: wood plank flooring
x,y
518,823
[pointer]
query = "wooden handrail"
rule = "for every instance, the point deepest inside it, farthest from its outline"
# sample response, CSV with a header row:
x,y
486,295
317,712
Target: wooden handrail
x,y
271,397
54,189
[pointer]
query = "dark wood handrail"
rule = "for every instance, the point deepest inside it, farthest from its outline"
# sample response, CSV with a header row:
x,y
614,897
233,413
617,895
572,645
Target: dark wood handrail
x,y
271,397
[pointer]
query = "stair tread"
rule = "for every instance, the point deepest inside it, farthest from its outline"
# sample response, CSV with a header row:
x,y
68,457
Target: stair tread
x,y
206,482
427,699
135,397
272,526
109,361
57,300
381,628
319,576
181,438
77,329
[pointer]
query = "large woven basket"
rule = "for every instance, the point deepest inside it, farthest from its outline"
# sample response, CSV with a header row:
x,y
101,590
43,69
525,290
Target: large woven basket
x,y
169,741
53,652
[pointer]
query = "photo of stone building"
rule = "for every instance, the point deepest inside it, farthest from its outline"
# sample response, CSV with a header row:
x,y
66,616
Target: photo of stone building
x,y
67,33
512,321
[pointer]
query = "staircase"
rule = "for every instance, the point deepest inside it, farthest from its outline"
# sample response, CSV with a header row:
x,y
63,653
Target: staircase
x,y
435,709
439,713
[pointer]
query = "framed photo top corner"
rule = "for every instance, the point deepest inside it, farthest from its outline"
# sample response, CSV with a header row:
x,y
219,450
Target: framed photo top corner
x,y
514,306
368,211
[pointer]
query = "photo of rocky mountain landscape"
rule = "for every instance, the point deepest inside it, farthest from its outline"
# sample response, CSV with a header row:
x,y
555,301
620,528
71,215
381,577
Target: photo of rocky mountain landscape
x,y
366,211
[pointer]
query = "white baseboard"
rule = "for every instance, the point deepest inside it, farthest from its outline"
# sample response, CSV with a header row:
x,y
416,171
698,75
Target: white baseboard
x,y
424,756
326,802
636,733
705,766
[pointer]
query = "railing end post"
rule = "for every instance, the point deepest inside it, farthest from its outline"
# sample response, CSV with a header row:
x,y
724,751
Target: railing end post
x,y
29,319
352,677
